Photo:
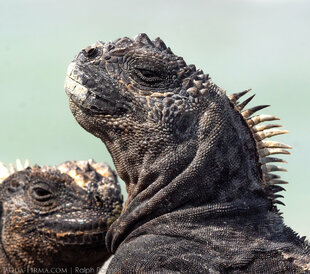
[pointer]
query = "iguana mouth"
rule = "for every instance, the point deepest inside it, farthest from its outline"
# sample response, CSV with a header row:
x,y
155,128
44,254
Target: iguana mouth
x,y
75,89
75,232
85,238
79,93
90,102
91,94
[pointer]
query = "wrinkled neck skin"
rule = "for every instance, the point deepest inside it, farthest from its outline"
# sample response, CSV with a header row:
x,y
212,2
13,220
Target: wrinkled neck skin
x,y
217,168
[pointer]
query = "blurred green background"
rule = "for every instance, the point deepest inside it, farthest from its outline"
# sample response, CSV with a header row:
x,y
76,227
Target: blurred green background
x,y
262,44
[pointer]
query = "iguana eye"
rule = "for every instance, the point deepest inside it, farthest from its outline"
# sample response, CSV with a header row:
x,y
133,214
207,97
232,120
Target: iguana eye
x,y
149,75
90,52
41,193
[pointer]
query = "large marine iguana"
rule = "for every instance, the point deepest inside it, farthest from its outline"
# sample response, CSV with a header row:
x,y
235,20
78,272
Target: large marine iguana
x,y
202,197
54,218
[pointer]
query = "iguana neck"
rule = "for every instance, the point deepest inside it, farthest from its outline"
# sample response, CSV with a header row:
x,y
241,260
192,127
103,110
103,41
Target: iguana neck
x,y
219,167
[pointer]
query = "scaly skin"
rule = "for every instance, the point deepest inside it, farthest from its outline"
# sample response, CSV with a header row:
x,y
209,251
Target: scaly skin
x,y
201,198
57,217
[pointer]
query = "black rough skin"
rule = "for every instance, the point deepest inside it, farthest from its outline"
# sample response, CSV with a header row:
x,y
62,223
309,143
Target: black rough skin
x,y
200,195
54,219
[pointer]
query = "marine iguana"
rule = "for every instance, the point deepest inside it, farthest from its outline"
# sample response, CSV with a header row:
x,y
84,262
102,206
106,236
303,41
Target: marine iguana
x,y
54,218
202,197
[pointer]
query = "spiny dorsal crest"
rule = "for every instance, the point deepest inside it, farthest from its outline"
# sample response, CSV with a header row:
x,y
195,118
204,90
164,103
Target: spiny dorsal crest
x,y
143,39
265,147
83,173
6,171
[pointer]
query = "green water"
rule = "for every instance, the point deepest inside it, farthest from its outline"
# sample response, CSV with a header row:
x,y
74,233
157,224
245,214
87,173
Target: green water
x,y
264,45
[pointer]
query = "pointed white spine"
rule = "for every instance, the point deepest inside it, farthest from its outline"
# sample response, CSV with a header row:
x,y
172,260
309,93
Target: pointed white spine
x,y
7,171
258,128
261,118
19,165
261,135
272,144
27,164
271,168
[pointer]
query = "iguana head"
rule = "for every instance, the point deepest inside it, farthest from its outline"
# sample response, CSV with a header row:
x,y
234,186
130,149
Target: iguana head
x,y
175,137
58,216
139,98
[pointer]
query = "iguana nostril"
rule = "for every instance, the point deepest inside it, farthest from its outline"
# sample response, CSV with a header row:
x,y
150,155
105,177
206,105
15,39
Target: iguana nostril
x,y
90,52
90,83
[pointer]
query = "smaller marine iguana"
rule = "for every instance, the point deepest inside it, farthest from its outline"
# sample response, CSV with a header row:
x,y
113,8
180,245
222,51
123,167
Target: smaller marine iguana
x,y
56,216
202,196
